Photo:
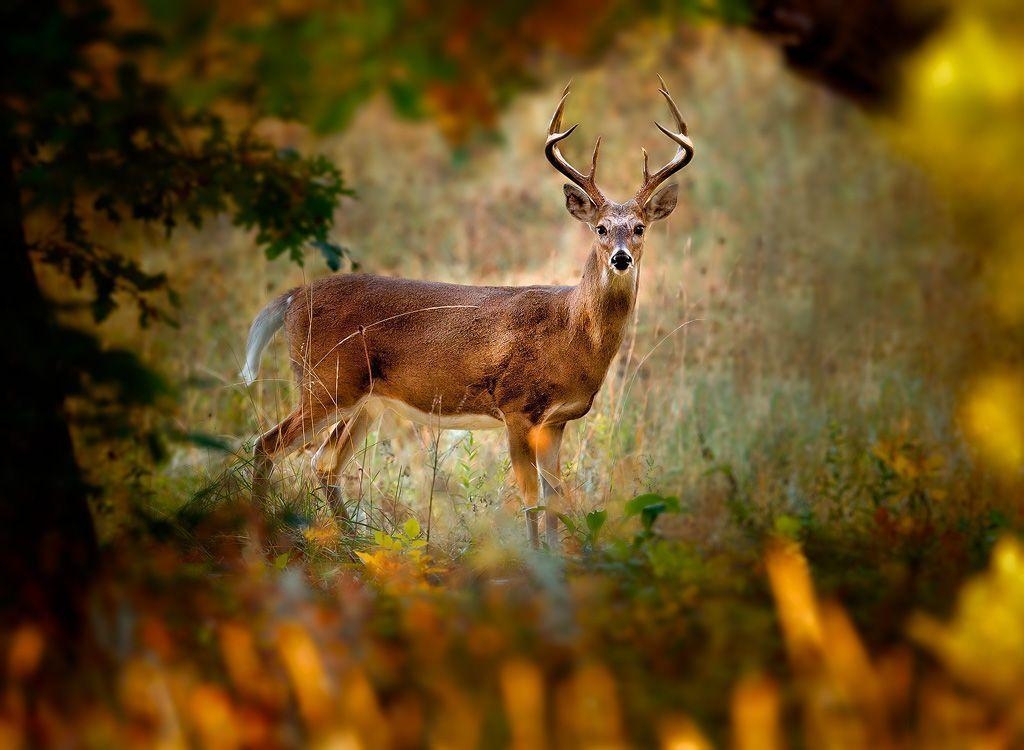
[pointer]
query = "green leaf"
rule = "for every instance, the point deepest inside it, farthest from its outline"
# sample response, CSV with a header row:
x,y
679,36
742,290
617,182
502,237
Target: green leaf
x,y
411,528
650,514
569,523
332,252
595,520
281,561
636,506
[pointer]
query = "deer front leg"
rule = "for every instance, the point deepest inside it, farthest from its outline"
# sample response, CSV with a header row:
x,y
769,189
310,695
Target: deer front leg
x,y
525,468
547,444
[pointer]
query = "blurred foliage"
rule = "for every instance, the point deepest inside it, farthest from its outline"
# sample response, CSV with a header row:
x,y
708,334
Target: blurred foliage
x,y
456,63
460,65
96,142
961,116
621,646
983,645
857,47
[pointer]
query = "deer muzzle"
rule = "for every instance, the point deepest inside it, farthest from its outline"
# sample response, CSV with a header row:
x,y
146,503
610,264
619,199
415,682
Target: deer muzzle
x,y
621,260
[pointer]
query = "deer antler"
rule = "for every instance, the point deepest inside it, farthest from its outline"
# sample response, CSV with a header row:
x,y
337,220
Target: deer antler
x,y
682,156
551,151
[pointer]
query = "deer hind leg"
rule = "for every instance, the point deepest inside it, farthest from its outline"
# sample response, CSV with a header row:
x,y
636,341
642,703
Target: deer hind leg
x,y
525,468
291,433
331,458
547,445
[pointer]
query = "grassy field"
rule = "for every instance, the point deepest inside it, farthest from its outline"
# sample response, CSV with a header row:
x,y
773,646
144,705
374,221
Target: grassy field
x,y
791,304
784,408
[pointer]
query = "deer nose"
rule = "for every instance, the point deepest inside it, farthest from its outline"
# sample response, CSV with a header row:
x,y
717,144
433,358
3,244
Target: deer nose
x,y
621,260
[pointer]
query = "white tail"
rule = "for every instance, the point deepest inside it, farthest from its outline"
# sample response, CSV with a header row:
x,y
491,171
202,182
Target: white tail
x,y
263,328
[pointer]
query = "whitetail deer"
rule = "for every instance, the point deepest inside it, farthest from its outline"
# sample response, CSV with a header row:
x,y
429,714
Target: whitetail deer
x,y
528,359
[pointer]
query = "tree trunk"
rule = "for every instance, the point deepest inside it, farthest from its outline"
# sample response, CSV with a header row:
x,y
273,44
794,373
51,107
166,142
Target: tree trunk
x,y
49,553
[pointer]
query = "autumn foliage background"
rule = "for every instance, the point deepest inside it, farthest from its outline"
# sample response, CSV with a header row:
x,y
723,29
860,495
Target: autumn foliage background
x,y
795,506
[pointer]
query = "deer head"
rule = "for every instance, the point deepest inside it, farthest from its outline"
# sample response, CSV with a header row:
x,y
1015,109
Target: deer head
x,y
619,227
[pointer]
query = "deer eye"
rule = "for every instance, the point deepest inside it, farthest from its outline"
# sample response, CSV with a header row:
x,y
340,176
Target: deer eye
x,y
601,230
638,229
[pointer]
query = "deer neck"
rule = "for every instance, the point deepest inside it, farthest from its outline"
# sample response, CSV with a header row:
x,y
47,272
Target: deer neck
x,y
600,305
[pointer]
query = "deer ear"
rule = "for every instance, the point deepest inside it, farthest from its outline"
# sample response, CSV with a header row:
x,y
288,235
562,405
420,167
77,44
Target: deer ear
x,y
579,204
662,203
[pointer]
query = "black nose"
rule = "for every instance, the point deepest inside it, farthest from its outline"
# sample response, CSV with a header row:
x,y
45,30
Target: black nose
x,y
621,260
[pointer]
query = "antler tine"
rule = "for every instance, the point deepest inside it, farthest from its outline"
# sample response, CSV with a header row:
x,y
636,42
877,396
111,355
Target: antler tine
x,y
681,158
680,123
554,154
556,118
